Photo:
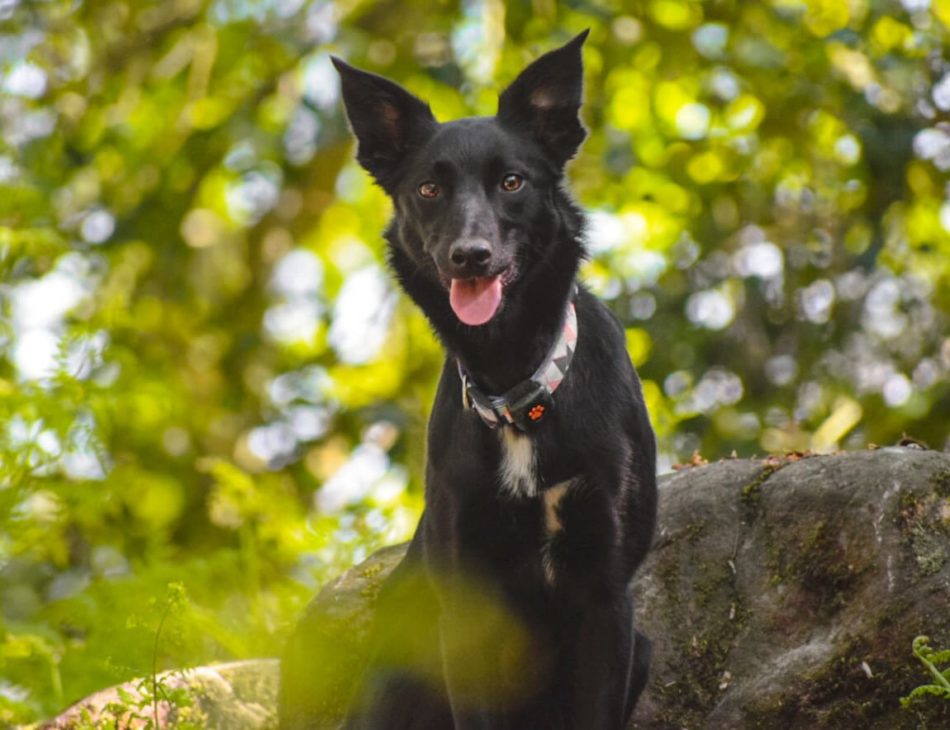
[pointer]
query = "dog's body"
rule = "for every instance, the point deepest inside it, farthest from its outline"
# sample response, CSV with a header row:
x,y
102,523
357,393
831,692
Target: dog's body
x,y
550,521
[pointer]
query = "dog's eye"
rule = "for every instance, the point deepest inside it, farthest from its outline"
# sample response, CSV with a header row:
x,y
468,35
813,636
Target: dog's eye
x,y
429,190
512,182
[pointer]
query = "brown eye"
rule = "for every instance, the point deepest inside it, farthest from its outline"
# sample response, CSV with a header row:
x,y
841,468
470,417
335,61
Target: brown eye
x,y
512,182
429,190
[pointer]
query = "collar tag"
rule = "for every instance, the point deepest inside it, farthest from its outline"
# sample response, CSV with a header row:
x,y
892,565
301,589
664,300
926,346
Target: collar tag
x,y
528,404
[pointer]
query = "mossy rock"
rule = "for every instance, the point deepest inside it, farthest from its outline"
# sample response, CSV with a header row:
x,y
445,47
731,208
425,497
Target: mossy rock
x,y
779,593
798,605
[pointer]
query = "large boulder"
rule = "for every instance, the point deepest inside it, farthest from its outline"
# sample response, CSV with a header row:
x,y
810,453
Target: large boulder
x,y
780,593
787,593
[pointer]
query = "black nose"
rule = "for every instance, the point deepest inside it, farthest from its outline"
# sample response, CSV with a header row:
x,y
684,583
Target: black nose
x,y
470,256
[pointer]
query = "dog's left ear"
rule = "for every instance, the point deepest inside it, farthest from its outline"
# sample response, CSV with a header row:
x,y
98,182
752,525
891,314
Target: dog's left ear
x,y
545,100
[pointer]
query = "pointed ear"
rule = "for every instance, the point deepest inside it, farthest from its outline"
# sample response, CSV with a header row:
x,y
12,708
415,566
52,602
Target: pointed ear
x,y
545,99
387,120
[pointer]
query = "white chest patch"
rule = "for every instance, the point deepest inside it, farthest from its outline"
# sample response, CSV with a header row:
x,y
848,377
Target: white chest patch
x,y
518,471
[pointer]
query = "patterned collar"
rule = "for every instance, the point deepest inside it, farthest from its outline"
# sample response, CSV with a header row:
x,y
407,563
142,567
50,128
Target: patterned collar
x,y
526,405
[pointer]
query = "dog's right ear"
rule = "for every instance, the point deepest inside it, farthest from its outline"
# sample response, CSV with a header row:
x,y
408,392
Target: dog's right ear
x,y
545,98
387,120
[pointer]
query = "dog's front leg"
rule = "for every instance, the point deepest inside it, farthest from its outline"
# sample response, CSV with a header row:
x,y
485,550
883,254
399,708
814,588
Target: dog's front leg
x,y
605,665
472,665
586,557
483,646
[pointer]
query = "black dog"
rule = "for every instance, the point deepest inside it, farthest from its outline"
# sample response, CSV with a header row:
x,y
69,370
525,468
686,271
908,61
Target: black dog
x,y
540,484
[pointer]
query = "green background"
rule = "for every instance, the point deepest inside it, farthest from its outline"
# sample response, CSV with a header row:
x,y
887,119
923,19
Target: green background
x,y
211,397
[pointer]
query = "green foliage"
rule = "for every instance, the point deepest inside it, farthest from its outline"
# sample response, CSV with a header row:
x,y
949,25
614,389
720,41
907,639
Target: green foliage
x,y
207,380
932,660
154,702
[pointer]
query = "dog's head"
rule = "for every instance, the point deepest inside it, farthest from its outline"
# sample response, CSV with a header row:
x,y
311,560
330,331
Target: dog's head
x,y
473,197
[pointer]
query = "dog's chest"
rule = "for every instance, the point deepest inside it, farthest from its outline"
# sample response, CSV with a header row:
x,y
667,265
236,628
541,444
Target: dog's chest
x,y
519,478
519,464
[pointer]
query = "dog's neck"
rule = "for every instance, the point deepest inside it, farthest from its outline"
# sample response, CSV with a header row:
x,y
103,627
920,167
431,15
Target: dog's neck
x,y
500,356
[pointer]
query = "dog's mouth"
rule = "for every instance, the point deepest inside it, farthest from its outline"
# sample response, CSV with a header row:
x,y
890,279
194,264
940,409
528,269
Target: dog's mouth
x,y
475,301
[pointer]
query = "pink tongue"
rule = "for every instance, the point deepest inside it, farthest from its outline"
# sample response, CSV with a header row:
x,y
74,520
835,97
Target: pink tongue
x,y
475,301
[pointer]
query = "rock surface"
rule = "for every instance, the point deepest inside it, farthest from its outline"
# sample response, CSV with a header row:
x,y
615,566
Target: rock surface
x,y
787,593
782,593
233,696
